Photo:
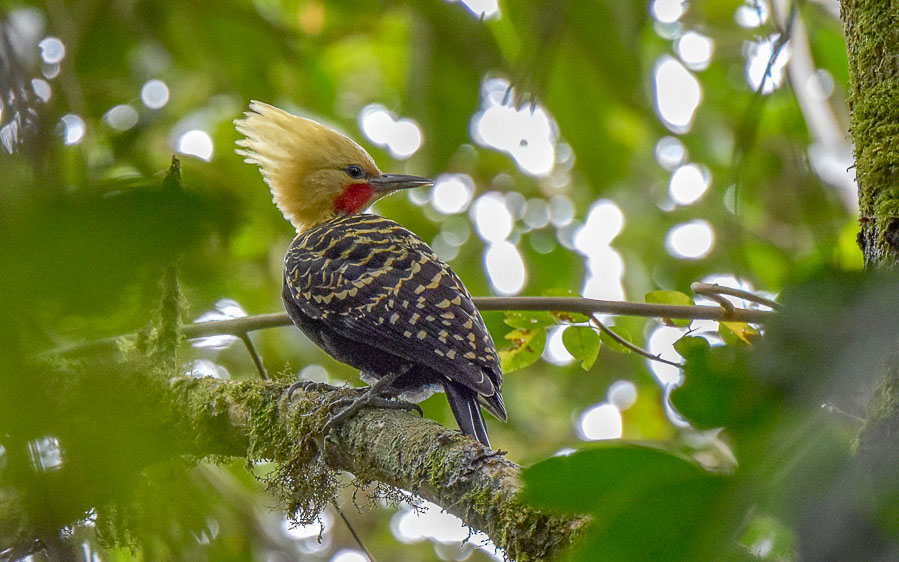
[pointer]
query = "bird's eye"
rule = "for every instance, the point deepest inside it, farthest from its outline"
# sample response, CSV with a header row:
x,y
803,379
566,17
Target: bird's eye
x,y
355,171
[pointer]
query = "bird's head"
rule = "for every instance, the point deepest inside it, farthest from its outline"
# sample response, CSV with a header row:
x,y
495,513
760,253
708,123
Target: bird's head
x,y
314,172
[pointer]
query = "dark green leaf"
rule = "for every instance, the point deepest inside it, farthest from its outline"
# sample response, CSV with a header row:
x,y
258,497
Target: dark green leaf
x,y
582,342
717,389
690,346
646,503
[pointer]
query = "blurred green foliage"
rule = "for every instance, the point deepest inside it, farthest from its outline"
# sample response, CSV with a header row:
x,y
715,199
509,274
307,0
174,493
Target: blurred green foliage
x,y
89,228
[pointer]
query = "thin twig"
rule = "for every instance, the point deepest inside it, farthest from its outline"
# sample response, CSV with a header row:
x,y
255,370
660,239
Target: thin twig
x,y
353,531
636,349
714,295
782,39
707,289
747,127
257,360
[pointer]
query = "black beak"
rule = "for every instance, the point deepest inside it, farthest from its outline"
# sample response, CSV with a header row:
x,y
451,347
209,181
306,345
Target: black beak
x,y
392,182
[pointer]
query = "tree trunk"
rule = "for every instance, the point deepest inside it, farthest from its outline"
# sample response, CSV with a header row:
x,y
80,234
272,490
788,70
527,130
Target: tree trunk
x,y
872,41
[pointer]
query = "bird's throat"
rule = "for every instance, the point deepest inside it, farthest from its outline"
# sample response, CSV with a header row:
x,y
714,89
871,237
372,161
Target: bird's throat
x,y
354,198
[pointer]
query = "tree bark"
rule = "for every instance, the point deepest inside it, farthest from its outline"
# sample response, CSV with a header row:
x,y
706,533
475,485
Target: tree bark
x,y
872,40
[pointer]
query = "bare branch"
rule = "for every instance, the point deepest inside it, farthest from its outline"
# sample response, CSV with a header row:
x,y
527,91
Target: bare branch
x,y
257,360
241,326
713,290
635,348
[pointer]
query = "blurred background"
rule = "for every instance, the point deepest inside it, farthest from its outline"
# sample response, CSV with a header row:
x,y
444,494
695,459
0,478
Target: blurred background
x,y
600,148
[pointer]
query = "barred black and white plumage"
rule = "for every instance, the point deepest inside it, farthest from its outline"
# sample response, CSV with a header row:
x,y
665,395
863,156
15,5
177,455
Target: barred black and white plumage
x,y
374,295
366,290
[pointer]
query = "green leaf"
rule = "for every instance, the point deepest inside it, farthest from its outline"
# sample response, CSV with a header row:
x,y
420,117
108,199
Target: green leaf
x,y
718,390
669,297
774,534
560,292
527,347
529,320
691,346
737,333
613,344
583,343
674,298
640,499
564,316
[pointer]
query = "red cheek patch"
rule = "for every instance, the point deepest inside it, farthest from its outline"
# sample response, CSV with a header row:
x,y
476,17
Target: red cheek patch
x,y
353,198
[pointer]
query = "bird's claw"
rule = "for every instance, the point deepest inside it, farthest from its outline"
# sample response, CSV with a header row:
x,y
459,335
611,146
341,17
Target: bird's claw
x,y
353,405
307,386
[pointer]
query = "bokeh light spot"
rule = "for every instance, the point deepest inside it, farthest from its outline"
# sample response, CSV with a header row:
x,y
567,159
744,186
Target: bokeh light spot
x,y
196,143
308,531
452,193
349,555
491,217
661,343
205,368
604,222
670,152
224,309
561,210
121,117
41,89
667,11
758,56
52,50
154,94
695,50
73,128
401,137
555,351
677,94
505,268
602,421
527,134
622,394
688,183
692,240
536,213
752,13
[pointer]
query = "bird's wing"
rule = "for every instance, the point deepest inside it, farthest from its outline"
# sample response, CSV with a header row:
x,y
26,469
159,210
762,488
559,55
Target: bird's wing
x,y
375,282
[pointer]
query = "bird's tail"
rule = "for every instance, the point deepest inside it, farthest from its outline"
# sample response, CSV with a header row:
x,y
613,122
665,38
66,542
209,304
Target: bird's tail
x,y
464,403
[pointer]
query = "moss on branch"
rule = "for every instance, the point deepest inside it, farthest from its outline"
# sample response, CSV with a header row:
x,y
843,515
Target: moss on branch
x,y
173,419
396,448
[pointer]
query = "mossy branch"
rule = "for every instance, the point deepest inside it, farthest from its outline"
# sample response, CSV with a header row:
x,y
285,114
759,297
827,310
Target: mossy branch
x,y
206,417
478,485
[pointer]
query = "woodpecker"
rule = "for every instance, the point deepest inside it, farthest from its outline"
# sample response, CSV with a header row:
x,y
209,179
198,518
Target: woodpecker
x,y
367,291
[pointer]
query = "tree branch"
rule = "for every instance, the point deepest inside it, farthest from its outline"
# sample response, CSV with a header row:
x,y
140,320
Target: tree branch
x,y
241,326
478,485
207,417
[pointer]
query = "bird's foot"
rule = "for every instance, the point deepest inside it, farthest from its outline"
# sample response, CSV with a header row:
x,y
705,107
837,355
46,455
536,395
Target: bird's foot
x,y
309,385
369,398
